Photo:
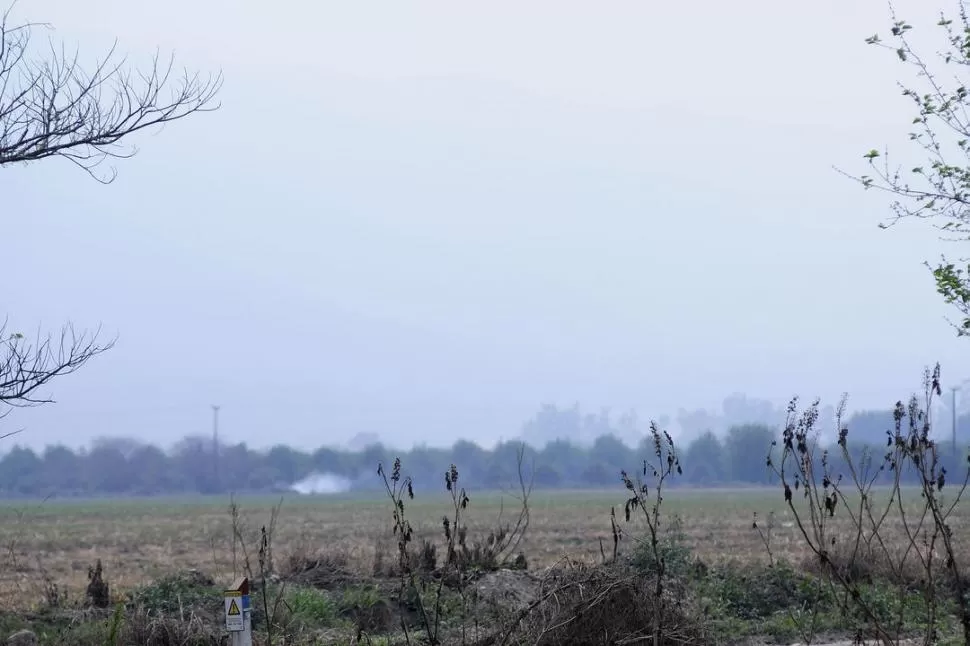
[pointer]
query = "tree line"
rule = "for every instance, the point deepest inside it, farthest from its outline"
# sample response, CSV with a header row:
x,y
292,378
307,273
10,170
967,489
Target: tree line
x,y
197,465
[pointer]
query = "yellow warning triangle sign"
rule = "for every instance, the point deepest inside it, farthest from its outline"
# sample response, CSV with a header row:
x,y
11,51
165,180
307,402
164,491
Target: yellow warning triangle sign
x,y
233,608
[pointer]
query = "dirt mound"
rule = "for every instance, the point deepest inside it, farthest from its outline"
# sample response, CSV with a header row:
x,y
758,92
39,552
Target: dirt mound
x,y
511,590
322,572
372,619
194,578
174,594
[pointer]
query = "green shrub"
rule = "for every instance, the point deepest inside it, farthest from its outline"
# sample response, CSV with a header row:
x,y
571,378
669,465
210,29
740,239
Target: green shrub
x,y
312,607
358,597
177,592
673,549
758,592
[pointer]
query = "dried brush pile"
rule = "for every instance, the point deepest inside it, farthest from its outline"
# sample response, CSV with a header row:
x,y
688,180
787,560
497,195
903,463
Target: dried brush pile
x,y
613,604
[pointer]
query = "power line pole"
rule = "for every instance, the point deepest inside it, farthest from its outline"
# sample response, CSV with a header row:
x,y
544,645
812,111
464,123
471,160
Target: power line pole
x,y
215,447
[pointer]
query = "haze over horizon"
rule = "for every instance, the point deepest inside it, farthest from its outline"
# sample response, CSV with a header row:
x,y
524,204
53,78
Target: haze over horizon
x,y
442,218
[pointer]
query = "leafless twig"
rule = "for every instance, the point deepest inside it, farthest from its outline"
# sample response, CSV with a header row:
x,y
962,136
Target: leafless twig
x,y
51,106
26,366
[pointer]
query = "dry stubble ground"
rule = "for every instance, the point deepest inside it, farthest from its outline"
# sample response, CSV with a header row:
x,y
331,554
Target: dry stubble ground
x,y
141,540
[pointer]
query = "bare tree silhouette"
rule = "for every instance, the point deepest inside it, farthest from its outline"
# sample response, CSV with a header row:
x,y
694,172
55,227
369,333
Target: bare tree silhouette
x,y
51,106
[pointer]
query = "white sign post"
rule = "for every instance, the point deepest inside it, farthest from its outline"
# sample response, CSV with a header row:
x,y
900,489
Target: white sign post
x,y
239,622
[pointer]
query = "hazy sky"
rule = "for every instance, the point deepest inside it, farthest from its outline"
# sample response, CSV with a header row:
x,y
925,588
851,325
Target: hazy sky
x,y
425,219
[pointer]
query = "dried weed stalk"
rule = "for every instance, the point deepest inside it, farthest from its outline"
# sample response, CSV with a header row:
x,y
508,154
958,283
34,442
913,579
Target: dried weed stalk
x,y
397,487
667,464
264,559
928,558
497,550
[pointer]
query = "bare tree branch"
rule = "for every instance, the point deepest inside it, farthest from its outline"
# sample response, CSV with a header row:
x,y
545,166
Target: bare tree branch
x,y
26,367
50,106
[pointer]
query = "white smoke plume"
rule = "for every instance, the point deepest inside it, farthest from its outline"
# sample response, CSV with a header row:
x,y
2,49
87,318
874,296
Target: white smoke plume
x,y
322,483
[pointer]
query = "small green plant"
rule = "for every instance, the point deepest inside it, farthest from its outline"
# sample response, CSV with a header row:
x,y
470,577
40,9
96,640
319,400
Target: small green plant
x,y
357,597
312,607
114,629
172,593
673,549
757,592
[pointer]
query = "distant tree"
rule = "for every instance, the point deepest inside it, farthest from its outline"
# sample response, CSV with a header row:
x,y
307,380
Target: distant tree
x,y
548,476
472,458
371,455
61,470
290,464
126,446
235,463
599,474
869,427
424,464
497,475
20,471
264,477
568,458
194,464
150,470
704,461
744,448
501,471
611,451
327,460
936,186
108,470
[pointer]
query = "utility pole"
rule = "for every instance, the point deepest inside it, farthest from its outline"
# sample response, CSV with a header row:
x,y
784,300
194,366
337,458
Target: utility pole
x,y
215,447
953,406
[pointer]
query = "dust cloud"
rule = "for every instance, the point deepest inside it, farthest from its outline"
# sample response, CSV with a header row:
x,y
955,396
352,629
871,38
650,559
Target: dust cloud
x,y
322,483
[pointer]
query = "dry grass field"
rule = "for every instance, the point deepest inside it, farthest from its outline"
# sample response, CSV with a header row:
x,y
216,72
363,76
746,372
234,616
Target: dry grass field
x,y
140,540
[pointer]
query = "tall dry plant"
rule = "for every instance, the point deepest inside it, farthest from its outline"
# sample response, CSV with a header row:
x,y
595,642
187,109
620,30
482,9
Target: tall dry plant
x,y
463,558
649,502
398,486
241,539
849,520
